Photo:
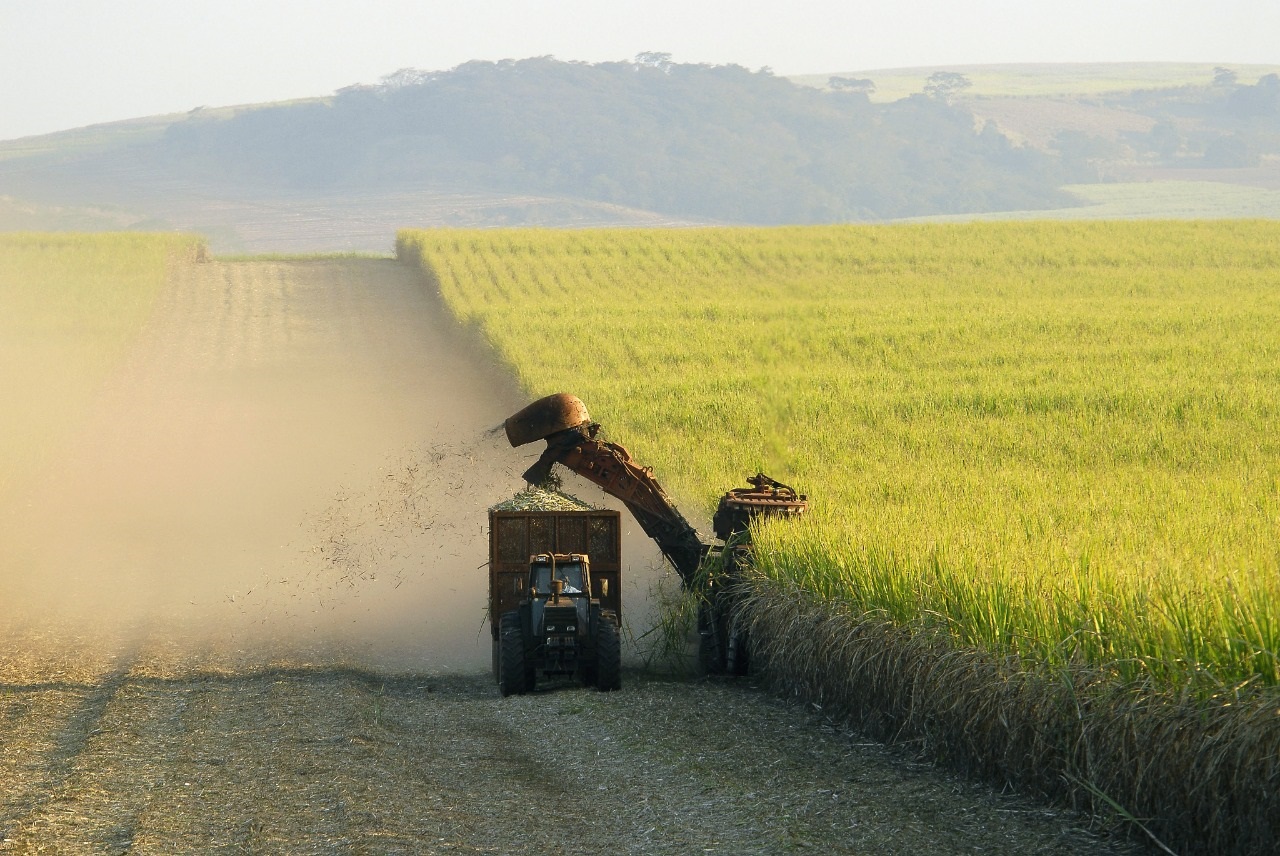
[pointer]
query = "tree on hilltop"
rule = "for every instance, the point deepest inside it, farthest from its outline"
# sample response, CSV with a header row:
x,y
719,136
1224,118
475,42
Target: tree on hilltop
x,y
946,85
655,59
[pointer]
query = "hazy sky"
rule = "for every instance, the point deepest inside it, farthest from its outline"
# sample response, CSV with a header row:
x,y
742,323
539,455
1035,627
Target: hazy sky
x,y
69,63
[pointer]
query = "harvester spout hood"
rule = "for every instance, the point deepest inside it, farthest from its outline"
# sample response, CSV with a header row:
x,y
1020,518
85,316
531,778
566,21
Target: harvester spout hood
x,y
545,417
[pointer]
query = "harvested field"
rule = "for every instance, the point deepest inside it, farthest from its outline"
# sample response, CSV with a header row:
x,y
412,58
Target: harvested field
x,y
155,756
245,615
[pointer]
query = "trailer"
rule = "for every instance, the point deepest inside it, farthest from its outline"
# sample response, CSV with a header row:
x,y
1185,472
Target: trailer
x,y
524,548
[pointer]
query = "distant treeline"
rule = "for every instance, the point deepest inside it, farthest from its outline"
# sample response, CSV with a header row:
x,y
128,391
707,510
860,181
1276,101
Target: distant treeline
x,y
717,142
1224,125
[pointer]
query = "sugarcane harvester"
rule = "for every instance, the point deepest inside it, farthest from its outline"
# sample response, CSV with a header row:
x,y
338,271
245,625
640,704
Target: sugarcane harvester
x,y
707,569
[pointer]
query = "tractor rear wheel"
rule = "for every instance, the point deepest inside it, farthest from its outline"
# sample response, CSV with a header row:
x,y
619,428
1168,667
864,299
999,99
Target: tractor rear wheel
x,y
608,654
512,668
712,641
587,671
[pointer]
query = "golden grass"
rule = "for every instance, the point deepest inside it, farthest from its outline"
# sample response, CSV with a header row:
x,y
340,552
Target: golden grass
x,y
1058,438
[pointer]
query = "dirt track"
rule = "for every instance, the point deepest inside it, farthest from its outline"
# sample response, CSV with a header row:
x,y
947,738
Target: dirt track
x,y
245,614
294,450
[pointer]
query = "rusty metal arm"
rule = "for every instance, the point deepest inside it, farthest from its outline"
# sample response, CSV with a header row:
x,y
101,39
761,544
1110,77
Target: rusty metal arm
x,y
610,466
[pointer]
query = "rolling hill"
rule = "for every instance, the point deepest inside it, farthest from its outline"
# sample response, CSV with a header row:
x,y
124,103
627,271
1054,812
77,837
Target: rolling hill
x,y
650,142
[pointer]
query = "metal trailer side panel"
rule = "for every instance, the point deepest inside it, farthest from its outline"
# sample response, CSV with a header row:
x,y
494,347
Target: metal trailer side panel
x,y
514,536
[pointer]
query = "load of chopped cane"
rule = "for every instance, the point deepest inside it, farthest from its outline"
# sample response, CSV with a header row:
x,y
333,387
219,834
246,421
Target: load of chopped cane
x,y
542,499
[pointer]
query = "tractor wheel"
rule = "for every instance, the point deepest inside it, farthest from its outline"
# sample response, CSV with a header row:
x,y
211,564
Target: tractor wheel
x,y
496,650
738,655
512,668
608,655
587,672
712,657
587,665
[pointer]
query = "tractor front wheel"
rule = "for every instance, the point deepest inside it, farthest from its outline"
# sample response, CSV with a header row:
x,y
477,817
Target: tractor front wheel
x,y
608,654
512,668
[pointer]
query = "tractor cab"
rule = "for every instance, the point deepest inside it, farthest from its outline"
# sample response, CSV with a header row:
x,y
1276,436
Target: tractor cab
x,y
571,571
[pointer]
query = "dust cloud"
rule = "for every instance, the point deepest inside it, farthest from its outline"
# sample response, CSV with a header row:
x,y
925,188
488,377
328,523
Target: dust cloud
x,y
293,465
